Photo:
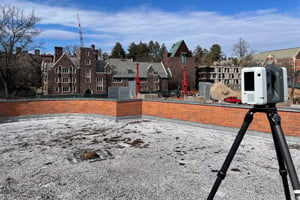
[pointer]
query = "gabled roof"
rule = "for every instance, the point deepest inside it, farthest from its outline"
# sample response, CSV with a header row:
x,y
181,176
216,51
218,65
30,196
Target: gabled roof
x,y
125,68
72,59
175,48
278,54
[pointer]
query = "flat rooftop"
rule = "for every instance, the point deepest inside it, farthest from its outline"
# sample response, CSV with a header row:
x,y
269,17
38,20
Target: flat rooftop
x,y
88,157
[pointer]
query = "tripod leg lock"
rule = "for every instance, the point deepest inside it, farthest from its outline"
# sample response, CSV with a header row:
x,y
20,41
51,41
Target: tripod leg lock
x,y
275,118
283,172
221,175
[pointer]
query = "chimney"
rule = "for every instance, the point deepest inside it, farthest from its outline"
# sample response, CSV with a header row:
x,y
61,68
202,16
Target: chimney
x,y
58,53
93,46
37,52
18,50
96,54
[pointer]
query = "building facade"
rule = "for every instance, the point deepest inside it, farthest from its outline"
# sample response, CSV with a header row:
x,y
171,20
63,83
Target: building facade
x,y
85,73
179,56
229,75
23,73
289,58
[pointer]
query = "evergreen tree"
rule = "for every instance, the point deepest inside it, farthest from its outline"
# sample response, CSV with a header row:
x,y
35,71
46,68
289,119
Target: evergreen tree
x,y
154,50
215,53
198,53
132,51
118,51
162,51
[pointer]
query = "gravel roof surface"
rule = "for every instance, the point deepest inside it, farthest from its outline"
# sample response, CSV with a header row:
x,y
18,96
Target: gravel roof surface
x,y
86,157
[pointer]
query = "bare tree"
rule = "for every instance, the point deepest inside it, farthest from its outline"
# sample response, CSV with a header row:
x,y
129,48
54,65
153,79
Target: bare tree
x,y
16,30
242,50
71,49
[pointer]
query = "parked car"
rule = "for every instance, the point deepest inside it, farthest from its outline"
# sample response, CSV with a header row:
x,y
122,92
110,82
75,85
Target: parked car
x,y
232,99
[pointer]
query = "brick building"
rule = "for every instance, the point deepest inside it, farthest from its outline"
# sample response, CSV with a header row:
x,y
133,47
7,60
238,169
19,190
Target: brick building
x,y
24,71
178,56
84,73
289,58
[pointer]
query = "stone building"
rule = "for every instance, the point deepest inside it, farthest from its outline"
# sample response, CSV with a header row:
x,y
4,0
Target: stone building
x,y
229,75
85,73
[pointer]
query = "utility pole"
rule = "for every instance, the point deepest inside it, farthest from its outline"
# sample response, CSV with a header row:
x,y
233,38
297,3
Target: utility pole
x,y
80,31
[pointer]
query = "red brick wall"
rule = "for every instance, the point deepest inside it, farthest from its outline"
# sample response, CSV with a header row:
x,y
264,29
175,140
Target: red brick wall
x,y
207,114
9,109
220,115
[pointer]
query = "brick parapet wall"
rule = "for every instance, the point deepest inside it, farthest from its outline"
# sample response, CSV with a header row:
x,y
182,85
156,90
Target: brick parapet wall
x,y
220,115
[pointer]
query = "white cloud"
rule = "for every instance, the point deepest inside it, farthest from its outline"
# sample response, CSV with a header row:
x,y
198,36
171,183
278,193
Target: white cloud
x,y
58,34
262,29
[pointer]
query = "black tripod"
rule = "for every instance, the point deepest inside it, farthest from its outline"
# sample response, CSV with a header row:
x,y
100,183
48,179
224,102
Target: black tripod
x,y
286,165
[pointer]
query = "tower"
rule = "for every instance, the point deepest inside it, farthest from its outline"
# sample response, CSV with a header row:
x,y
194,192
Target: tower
x,y
80,31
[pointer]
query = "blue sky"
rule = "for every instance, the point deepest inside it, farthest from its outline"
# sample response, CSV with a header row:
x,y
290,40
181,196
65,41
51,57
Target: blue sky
x,y
265,25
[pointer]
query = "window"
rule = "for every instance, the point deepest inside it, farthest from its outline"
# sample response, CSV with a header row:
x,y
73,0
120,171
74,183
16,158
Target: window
x,y
99,80
156,87
183,57
99,88
65,80
65,70
88,75
66,89
57,89
144,87
57,70
74,89
45,79
117,80
99,84
73,80
73,70
156,80
87,61
144,80
57,80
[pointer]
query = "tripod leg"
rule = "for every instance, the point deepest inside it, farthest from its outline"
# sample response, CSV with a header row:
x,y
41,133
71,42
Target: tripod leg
x,y
282,169
275,123
222,173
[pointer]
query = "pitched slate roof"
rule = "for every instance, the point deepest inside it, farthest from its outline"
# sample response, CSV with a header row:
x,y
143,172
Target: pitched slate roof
x,y
278,54
174,48
100,65
125,68
74,61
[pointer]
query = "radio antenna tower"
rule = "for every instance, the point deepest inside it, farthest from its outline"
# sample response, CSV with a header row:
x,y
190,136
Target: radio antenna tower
x,y
80,31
